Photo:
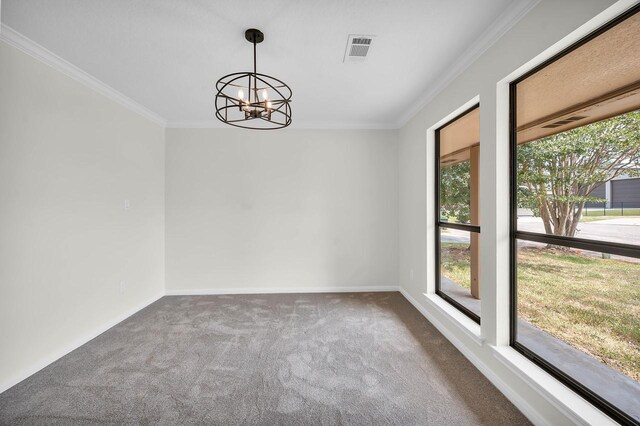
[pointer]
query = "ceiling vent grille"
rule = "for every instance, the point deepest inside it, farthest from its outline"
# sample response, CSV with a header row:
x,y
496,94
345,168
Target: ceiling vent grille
x,y
358,47
563,122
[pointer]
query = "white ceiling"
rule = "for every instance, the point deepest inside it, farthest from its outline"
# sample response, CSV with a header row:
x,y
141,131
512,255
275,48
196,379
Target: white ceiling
x,y
167,55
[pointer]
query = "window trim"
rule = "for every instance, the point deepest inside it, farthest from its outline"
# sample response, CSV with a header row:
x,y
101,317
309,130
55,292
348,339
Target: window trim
x,y
594,245
439,224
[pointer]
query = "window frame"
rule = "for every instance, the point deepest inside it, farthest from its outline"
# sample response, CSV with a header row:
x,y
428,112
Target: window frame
x,y
620,249
439,225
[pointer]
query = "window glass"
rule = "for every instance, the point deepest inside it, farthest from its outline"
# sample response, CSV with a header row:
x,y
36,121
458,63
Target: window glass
x,y
576,217
584,182
459,150
455,268
455,192
580,311
458,212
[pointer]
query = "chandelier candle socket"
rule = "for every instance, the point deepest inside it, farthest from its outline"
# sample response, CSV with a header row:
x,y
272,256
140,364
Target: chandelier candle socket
x,y
252,100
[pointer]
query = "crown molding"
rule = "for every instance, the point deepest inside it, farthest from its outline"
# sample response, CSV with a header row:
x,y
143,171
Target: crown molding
x,y
204,124
307,125
33,49
507,19
497,29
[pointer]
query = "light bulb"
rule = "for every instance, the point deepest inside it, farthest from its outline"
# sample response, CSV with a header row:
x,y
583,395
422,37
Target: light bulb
x,y
265,95
269,104
241,94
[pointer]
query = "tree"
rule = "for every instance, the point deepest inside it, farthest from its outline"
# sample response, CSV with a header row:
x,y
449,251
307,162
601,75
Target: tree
x,y
558,173
455,191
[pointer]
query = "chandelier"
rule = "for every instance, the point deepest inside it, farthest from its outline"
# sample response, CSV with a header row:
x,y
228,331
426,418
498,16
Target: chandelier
x,y
252,100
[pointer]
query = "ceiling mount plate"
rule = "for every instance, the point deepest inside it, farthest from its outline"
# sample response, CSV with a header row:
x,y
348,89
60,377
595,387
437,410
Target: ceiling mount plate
x,y
254,36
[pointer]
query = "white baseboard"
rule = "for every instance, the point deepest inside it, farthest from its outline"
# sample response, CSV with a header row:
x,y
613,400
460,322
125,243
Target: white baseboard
x,y
516,399
533,415
274,290
46,360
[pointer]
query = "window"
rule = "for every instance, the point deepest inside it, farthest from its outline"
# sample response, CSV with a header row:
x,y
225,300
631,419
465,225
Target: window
x,y
457,212
575,281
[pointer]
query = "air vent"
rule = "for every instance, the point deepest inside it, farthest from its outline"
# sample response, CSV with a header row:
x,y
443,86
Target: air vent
x,y
564,121
358,47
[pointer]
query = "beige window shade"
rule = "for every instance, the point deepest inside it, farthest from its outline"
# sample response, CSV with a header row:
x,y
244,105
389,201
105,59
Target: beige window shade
x,y
458,136
598,80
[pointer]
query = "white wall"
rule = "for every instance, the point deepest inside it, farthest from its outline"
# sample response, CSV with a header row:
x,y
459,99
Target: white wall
x,y
244,210
69,157
261,210
549,22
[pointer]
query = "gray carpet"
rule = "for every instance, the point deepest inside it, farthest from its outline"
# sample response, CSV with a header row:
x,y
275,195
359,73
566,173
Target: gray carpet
x,y
357,358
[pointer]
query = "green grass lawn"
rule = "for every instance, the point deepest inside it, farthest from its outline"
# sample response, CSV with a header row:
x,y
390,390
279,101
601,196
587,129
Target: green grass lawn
x,y
594,215
454,263
591,303
592,218
611,212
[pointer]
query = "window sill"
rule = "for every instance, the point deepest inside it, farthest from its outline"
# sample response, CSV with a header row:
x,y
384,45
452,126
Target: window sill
x,y
564,399
463,322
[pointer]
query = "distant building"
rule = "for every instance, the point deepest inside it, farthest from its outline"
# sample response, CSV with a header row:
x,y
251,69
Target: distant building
x,y
618,192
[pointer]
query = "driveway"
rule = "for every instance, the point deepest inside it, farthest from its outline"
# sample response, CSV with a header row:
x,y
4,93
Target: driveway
x,y
620,230
454,236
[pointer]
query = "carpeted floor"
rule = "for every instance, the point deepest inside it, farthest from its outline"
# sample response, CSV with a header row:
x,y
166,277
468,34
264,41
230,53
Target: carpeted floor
x,y
356,358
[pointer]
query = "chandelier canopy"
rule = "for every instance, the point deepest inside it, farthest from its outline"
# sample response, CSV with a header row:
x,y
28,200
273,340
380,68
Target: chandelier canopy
x,y
252,100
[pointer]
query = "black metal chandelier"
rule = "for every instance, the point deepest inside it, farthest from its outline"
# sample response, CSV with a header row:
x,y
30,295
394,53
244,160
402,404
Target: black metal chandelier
x,y
267,101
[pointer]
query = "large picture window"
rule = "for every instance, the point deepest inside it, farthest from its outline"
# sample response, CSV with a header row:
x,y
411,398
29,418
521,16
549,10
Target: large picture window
x,y
457,212
575,220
